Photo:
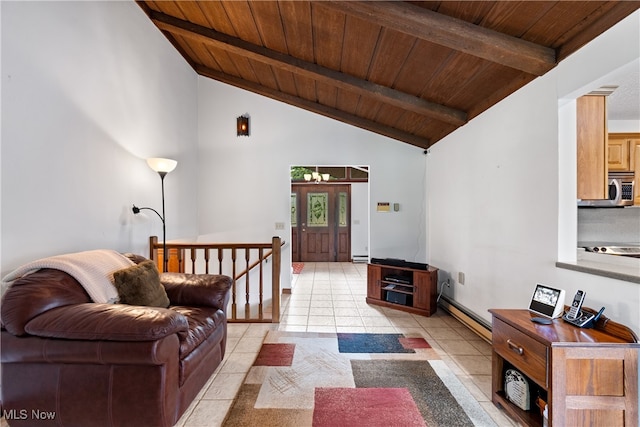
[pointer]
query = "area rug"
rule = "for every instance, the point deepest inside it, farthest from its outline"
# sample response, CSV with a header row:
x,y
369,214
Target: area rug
x,y
322,379
297,267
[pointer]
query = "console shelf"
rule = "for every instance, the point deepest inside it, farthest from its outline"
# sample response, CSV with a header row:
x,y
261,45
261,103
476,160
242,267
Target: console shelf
x,y
407,289
554,359
394,287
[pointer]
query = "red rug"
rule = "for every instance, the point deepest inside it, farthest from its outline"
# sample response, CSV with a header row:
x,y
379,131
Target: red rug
x,y
414,343
297,267
369,407
275,355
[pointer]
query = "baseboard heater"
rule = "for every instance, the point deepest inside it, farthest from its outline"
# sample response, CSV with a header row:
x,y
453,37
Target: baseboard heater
x,y
360,259
467,317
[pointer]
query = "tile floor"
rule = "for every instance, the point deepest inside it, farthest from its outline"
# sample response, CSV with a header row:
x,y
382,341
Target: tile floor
x,y
330,297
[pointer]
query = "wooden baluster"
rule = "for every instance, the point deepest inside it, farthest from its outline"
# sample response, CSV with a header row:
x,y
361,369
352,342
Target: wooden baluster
x,y
153,253
220,260
193,260
261,290
233,294
206,260
247,306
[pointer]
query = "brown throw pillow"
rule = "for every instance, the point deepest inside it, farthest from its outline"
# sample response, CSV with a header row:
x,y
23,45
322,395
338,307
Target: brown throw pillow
x,y
140,285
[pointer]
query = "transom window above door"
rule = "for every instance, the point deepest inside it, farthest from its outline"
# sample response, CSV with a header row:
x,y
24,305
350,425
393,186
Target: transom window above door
x,y
305,174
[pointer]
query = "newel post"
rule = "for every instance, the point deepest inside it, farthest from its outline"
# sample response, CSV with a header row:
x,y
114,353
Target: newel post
x,y
276,245
153,252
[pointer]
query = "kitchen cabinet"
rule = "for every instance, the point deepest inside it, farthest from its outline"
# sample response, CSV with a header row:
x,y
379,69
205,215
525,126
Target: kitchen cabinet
x,y
585,376
623,154
618,152
634,163
591,121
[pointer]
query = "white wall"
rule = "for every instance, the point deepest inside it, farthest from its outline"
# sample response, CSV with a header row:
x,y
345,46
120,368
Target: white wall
x,y
245,181
623,126
497,219
359,219
89,90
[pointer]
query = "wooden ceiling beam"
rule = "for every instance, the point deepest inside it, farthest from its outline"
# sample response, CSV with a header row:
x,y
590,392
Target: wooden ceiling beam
x,y
321,74
614,15
451,32
314,107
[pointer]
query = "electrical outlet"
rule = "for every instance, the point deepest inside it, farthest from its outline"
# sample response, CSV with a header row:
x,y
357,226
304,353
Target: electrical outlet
x,y
461,277
279,225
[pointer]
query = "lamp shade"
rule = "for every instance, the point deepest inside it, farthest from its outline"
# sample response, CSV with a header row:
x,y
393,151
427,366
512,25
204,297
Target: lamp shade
x,y
160,165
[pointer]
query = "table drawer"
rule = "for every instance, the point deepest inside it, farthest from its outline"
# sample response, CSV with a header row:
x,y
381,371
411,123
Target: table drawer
x,y
522,351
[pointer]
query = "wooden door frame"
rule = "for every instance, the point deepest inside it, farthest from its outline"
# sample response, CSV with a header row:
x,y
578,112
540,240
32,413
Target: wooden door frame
x,y
296,235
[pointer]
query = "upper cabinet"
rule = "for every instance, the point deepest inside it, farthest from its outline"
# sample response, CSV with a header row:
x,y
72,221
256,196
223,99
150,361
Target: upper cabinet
x,y
618,152
624,155
591,119
622,151
634,154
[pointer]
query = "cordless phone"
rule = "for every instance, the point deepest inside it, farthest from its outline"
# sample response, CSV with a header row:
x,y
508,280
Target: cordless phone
x,y
585,319
577,317
576,305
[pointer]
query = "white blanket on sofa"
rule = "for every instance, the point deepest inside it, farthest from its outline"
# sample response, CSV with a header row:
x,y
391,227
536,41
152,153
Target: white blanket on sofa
x,y
93,269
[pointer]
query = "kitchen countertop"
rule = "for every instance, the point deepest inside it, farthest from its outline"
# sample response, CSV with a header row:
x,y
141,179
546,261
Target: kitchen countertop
x,y
601,243
612,266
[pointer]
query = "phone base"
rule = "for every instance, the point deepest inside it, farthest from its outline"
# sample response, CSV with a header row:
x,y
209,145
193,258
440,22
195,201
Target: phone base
x,y
583,320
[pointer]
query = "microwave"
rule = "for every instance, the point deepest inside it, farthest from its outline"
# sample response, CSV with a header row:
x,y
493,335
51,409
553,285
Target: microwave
x,y
619,190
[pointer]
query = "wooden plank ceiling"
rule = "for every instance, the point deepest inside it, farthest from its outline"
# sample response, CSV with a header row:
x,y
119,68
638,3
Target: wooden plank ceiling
x,y
413,71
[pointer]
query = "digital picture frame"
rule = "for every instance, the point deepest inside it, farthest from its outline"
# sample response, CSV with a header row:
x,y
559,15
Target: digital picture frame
x,y
547,301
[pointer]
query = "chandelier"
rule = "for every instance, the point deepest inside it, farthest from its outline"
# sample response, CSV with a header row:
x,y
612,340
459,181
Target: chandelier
x,y
317,177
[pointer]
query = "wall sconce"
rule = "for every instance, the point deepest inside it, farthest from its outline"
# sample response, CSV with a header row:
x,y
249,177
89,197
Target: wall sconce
x,y
163,167
242,125
317,177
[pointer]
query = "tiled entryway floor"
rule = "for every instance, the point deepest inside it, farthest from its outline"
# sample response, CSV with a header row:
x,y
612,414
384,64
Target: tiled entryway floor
x,y
330,297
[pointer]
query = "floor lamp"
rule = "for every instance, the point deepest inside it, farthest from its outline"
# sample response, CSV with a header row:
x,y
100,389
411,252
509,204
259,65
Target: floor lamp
x,y
163,167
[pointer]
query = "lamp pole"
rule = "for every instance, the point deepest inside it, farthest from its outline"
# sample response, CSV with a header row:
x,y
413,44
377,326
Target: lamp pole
x,y
165,257
136,210
163,167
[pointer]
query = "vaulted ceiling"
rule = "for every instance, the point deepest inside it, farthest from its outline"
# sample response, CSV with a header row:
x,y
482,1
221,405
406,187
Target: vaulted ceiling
x,y
413,71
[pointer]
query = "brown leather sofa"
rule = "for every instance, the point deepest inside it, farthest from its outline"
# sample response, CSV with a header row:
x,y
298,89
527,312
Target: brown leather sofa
x,y
67,361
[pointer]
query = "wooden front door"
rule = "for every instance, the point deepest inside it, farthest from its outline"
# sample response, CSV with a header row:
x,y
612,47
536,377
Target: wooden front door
x,y
320,223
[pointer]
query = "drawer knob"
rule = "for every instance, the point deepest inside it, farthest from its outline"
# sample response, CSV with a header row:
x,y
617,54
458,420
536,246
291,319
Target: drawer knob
x,y
515,347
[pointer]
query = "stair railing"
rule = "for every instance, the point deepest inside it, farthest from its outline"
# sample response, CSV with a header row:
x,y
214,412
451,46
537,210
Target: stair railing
x,y
256,258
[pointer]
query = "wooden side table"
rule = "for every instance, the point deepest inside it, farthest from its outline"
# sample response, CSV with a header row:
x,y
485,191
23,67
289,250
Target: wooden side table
x,y
585,376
